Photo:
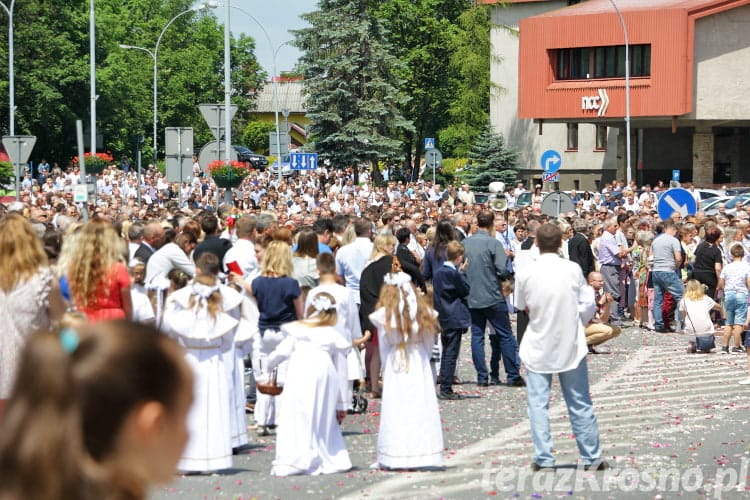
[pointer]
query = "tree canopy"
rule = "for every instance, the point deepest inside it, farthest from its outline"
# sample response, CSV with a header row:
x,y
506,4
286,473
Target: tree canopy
x,y
491,161
52,72
352,85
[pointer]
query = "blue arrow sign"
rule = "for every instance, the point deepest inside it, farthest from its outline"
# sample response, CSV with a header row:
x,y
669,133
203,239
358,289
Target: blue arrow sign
x,y
551,161
303,161
676,200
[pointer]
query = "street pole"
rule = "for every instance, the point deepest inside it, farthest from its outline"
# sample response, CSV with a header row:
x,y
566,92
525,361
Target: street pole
x,y
275,77
628,171
92,76
227,85
155,56
11,76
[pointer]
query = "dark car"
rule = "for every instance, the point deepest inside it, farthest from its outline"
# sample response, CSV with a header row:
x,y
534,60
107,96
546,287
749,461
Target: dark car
x,y
258,162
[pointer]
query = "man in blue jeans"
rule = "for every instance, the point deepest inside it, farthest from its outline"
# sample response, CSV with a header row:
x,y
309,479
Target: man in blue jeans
x,y
559,302
486,268
667,253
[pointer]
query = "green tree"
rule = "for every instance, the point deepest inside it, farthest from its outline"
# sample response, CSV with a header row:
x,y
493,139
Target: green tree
x,y
52,72
255,135
470,71
491,161
421,32
351,85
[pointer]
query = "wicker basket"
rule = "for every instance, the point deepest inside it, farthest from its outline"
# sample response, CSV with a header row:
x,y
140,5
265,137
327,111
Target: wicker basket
x,y
269,388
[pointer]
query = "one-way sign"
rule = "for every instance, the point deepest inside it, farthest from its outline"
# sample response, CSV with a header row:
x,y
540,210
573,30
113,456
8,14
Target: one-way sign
x,y
303,161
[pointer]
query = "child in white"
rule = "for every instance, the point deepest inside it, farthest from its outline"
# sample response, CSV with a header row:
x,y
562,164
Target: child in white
x,y
347,314
735,281
695,308
308,438
410,432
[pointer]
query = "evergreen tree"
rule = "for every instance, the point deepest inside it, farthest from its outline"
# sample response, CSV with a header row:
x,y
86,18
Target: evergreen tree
x,y
351,89
491,161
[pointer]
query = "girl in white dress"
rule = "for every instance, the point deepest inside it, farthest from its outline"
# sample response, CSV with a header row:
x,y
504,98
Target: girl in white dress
x,y
410,434
205,317
308,438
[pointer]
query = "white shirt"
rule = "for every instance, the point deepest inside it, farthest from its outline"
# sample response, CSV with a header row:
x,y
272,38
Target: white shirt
x,y
560,302
243,253
351,260
143,311
165,259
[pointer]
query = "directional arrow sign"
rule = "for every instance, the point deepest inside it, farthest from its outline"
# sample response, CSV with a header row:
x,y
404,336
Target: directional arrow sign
x,y
676,200
303,161
551,161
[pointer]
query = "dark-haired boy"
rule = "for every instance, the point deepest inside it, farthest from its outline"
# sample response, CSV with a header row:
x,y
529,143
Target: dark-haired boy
x,y
450,290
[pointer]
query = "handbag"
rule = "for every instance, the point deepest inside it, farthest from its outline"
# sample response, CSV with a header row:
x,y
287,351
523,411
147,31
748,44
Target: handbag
x,y
269,388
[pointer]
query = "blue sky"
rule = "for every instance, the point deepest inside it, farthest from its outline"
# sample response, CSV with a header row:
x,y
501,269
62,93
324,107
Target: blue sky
x,y
277,17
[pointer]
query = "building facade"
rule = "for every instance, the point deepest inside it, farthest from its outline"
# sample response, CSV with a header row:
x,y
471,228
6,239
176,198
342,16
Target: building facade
x,y
563,70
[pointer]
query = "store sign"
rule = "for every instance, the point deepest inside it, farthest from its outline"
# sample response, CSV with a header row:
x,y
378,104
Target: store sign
x,y
598,102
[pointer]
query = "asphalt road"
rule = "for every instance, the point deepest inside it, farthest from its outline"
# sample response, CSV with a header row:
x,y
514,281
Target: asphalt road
x,y
672,425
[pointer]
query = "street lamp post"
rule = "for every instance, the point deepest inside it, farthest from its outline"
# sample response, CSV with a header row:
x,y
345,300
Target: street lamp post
x,y
11,78
155,57
628,171
274,53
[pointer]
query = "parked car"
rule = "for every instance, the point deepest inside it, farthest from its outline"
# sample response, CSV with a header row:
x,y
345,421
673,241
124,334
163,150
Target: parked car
x,y
286,167
710,206
245,155
737,202
737,190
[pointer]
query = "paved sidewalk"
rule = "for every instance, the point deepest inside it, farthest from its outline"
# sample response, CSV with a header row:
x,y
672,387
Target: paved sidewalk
x,y
657,406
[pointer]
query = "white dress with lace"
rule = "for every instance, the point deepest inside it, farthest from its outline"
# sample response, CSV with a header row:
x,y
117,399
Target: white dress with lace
x,y
24,310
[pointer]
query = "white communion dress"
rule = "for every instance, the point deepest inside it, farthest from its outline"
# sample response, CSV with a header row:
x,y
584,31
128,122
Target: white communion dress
x,y
410,435
209,344
308,437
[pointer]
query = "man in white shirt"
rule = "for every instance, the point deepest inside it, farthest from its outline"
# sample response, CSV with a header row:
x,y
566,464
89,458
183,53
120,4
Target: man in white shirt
x,y
243,250
173,255
351,259
555,342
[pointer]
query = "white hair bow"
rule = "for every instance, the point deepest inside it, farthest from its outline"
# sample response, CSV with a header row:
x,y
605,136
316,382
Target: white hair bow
x,y
406,292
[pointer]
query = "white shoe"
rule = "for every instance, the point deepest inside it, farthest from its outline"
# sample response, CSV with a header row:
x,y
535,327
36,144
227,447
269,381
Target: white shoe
x,y
745,381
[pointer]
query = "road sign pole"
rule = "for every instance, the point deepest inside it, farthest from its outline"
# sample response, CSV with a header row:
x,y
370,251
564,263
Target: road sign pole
x,y
17,168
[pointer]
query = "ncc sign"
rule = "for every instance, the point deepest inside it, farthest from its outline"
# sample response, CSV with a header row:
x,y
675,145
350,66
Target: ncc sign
x,y
598,102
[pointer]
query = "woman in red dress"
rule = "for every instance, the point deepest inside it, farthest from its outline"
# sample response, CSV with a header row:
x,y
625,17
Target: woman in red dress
x,y
99,280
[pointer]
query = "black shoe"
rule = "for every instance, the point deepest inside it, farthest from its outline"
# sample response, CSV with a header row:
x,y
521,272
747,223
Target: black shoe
x,y
495,381
536,467
449,396
663,330
519,382
598,465
483,384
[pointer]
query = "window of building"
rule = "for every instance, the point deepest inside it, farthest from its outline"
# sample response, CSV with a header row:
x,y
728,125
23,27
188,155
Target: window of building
x,y
572,137
601,137
581,63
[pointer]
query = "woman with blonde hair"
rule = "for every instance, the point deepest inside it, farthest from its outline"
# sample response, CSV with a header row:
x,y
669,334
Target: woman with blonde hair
x,y
97,276
315,394
279,301
695,308
370,284
30,297
410,432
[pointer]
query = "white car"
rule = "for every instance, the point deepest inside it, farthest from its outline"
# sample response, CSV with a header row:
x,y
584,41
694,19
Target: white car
x,y
286,167
711,205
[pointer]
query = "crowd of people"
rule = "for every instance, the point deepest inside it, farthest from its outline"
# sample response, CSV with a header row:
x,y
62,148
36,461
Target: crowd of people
x,y
300,275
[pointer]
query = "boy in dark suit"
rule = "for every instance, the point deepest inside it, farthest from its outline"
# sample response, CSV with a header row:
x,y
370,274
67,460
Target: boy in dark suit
x,y
450,290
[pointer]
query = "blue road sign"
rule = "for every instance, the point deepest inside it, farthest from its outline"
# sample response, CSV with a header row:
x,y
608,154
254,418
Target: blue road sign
x,y
676,200
676,175
429,143
551,161
303,161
